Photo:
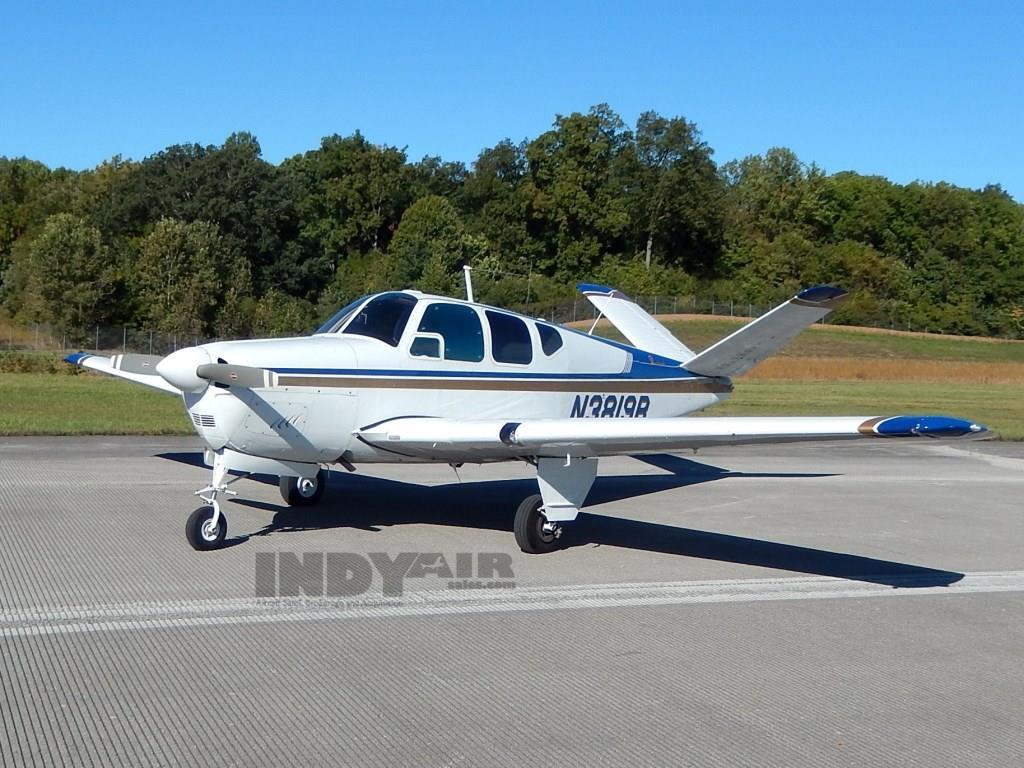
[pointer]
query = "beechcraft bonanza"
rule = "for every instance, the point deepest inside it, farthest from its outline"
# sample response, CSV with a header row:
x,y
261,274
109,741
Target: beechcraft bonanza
x,y
409,377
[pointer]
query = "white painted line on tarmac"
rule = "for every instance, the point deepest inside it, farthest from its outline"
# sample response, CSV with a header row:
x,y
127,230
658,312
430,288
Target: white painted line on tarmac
x,y
208,613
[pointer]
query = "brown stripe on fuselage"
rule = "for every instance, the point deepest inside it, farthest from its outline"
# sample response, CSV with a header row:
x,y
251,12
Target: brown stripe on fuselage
x,y
510,385
868,427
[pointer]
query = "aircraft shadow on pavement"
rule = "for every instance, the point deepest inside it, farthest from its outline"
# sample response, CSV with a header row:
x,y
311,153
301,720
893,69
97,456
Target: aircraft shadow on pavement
x,y
371,503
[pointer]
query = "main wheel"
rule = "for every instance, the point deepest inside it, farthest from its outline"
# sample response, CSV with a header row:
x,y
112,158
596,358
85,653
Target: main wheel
x,y
303,491
200,531
533,533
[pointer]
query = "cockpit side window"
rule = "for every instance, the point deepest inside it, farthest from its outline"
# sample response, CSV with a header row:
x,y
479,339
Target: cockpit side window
x,y
550,339
510,339
338,318
383,318
460,327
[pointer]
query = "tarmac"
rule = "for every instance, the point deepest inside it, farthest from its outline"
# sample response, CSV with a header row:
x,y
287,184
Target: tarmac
x,y
853,604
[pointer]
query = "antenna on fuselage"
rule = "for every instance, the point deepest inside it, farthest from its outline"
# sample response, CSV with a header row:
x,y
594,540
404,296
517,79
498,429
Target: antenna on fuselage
x,y
466,269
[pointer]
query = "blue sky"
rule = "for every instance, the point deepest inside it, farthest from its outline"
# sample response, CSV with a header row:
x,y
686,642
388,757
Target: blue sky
x,y
909,90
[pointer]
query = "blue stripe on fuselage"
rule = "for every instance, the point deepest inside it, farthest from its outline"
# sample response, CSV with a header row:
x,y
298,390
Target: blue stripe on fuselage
x,y
639,355
638,371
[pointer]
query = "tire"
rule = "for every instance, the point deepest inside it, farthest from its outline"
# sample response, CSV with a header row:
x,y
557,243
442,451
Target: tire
x,y
198,532
529,528
295,494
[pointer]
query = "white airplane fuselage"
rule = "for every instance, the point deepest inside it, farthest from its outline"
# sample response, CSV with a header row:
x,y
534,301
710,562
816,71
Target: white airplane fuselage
x,y
330,384
407,377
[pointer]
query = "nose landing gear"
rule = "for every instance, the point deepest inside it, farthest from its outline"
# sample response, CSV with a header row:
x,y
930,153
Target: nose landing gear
x,y
207,526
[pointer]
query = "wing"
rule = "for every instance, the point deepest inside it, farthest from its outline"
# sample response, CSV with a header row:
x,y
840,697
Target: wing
x,y
443,439
138,368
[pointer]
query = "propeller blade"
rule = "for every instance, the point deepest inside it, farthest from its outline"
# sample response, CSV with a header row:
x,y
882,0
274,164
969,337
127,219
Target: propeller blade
x,y
236,375
131,363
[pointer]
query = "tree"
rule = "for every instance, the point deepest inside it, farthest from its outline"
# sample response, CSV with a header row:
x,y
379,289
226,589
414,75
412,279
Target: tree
x,y
497,206
70,272
676,192
231,186
351,195
183,273
431,245
578,210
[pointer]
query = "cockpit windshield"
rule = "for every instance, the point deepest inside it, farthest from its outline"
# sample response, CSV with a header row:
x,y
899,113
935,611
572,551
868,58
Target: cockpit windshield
x,y
383,318
338,318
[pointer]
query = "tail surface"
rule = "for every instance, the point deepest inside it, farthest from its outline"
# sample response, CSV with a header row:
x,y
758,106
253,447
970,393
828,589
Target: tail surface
x,y
742,350
633,322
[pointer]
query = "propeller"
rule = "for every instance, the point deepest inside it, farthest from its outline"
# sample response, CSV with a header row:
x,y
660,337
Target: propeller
x,y
236,375
191,370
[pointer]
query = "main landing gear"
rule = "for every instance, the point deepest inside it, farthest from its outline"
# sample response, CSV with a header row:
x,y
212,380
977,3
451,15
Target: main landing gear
x,y
207,527
564,484
303,491
535,534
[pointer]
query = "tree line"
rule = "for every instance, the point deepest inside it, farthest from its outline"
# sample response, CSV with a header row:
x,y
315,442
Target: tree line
x,y
214,240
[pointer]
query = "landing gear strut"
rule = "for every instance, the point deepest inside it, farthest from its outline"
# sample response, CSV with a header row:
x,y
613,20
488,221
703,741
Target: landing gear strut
x,y
207,527
303,491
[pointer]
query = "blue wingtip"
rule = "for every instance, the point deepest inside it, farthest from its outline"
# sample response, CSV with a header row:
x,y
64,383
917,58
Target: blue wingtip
x,y
76,358
928,426
594,288
819,293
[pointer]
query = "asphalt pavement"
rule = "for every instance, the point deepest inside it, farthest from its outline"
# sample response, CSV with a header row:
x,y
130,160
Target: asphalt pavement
x,y
807,605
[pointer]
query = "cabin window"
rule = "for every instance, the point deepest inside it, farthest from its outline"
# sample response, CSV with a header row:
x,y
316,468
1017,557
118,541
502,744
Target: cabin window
x,y
425,346
510,339
459,326
550,339
383,318
339,317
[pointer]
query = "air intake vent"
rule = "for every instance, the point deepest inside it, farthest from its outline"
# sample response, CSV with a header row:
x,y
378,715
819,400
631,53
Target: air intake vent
x,y
203,420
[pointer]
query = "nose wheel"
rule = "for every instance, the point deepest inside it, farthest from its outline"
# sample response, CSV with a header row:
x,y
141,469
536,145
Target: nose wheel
x,y
206,528
303,491
535,535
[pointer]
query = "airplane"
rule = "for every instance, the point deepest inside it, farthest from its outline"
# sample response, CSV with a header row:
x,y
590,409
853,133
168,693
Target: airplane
x,y
404,376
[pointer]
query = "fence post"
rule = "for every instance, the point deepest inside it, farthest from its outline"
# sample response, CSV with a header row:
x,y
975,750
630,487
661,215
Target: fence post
x,y
124,338
731,308
655,303
97,338
574,310
151,342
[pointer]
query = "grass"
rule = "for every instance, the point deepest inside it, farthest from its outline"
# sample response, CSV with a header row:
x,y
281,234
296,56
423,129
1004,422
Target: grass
x,y
997,406
699,332
827,370
90,404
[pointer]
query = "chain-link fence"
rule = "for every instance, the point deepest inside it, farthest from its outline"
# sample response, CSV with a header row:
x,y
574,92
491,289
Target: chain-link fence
x,y
101,338
580,309
113,339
